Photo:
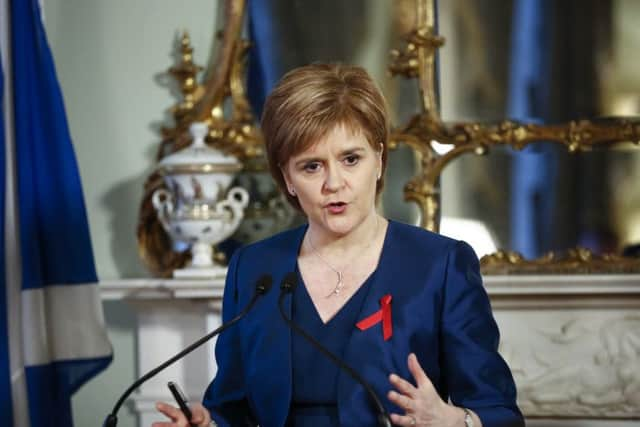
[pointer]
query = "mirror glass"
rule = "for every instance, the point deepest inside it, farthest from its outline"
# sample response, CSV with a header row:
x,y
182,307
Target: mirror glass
x,y
558,62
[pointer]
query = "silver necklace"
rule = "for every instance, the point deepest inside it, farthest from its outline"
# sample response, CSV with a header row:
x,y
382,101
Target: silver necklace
x,y
340,284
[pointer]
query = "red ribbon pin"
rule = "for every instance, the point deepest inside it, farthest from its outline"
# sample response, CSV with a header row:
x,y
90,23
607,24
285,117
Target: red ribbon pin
x,y
383,315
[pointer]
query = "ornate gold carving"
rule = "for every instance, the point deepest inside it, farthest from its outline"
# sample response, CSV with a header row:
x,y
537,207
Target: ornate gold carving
x,y
577,136
238,134
478,138
418,61
418,58
185,73
575,261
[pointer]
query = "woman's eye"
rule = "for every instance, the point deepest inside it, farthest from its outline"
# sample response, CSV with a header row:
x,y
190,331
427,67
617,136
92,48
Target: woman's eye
x,y
311,167
351,159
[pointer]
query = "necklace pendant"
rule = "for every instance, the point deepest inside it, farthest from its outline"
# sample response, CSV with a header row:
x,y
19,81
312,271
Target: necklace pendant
x,y
338,288
336,291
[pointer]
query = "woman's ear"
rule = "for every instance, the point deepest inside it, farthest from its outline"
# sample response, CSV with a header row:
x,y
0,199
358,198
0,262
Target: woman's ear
x,y
287,180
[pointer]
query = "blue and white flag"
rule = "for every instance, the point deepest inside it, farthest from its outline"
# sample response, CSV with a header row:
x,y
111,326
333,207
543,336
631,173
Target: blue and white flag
x,y
51,320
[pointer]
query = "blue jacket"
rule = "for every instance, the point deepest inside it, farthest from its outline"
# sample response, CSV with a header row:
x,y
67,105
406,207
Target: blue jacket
x,y
440,311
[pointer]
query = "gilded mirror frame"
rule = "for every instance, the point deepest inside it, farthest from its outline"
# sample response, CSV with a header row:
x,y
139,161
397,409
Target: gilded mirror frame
x,y
235,131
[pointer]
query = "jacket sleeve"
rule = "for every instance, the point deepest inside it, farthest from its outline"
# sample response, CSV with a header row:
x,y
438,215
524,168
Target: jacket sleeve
x,y
225,397
475,374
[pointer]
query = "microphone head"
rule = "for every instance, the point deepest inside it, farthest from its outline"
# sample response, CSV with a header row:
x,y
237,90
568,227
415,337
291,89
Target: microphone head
x,y
111,421
289,282
263,285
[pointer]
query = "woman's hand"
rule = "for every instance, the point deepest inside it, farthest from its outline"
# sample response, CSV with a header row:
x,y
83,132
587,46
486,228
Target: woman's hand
x,y
199,416
422,403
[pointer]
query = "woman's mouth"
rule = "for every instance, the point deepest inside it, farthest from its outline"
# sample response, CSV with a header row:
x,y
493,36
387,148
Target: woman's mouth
x,y
337,207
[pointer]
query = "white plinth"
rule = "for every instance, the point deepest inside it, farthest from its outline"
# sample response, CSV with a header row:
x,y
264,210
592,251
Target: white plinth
x,y
199,273
171,315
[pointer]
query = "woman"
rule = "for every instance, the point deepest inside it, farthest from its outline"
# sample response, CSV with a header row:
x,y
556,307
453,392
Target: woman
x,y
404,307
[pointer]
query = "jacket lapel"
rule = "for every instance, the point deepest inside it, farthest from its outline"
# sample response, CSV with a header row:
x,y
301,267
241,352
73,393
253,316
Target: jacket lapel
x,y
367,351
271,341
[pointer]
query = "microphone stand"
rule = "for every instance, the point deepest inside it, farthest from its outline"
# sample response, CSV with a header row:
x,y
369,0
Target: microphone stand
x,y
263,285
287,287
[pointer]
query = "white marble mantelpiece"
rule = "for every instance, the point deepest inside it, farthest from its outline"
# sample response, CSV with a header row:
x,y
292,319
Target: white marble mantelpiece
x,y
557,291
573,342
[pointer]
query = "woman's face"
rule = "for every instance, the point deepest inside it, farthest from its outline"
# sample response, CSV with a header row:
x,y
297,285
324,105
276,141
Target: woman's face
x,y
335,180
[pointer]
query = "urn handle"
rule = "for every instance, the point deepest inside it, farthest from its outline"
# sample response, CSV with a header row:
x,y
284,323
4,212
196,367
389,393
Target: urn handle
x,y
163,203
237,199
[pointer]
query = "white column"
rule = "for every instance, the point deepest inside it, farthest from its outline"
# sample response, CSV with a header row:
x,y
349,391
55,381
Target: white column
x,y
172,314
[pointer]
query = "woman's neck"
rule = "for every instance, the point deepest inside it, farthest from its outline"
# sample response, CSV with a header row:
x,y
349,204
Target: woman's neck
x,y
363,235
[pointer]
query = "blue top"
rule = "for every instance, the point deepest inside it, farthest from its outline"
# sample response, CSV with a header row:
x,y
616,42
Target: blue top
x,y
439,310
315,377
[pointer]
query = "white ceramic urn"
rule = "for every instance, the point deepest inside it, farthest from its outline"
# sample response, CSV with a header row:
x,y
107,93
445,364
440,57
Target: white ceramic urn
x,y
198,207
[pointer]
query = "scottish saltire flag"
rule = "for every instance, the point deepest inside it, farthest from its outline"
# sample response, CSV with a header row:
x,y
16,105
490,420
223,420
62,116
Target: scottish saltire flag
x,y
534,168
51,322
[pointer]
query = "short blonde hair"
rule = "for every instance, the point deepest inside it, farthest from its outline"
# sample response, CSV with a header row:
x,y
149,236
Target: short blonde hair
x,y
311,101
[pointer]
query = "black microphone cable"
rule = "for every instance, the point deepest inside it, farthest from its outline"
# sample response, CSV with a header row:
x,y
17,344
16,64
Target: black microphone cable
x,y
287,286
263,285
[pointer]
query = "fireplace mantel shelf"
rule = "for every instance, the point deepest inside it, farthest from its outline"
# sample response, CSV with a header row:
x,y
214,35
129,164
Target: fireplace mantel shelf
x,y
497,286
159,289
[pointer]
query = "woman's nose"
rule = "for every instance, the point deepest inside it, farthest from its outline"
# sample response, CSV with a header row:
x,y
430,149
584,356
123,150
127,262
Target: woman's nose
x,y
334,179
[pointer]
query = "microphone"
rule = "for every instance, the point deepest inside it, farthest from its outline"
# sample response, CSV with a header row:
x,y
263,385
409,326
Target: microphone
x,y
287,286
263,285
